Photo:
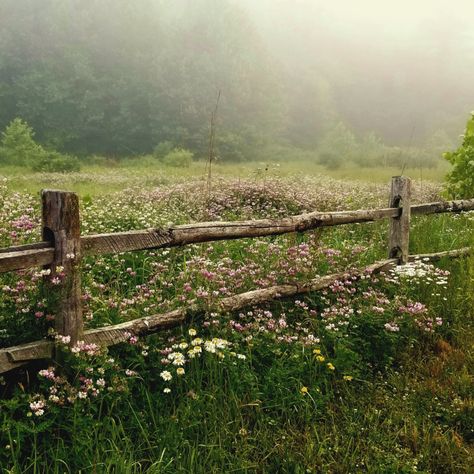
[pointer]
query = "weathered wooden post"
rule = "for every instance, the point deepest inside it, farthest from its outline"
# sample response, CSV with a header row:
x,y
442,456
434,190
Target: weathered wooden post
x,y
399,237
61,225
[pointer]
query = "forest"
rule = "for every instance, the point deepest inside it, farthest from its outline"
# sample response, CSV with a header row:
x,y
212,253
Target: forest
x,y
236,236
118,79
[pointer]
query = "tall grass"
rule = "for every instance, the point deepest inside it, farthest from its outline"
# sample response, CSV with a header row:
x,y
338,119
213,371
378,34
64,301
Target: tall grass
x,y
395,402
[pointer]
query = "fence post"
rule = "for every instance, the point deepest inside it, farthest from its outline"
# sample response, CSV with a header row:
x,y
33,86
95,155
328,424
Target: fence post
x,y
400,196
61,225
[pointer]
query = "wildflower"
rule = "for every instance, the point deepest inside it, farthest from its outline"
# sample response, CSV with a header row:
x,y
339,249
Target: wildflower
x,y
348,378
63,339
37,407
330,366
165,375
320,358
391,327
317,351
130,373
180,371
192,332
47,373
166,390
304,390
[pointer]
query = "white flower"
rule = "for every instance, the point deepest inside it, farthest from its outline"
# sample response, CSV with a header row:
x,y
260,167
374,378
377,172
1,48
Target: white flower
x,y
165,375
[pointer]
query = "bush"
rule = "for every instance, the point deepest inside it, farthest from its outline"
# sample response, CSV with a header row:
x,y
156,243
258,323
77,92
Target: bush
x,y
162,149
18,145
330,160
179,158
460,181
55,162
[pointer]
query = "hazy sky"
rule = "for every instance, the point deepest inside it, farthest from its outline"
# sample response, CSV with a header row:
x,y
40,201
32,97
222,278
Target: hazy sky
x,y
415,57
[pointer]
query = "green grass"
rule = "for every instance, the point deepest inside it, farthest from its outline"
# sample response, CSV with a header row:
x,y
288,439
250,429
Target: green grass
x,y
149,172
409,407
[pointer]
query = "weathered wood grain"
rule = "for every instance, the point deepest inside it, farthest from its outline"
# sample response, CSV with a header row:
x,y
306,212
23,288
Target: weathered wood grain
x,y
20,248
443,206
14,357
61,226
10,261
213,231
17,356
399,233
14,258
434,257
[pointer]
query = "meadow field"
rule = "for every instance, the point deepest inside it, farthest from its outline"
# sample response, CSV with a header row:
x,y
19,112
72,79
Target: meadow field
x,y
371,375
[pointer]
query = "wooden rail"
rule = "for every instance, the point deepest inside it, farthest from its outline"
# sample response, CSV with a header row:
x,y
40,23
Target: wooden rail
x,y
42,253
62,246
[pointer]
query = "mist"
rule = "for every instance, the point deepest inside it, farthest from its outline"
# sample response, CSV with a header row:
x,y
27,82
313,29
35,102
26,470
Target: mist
x,y
402,69
370,82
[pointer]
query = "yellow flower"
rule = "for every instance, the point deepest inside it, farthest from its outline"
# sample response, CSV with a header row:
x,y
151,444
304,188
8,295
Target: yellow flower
x,y
347,377
320,358
192,332
304,390
330,366
180,371
317,351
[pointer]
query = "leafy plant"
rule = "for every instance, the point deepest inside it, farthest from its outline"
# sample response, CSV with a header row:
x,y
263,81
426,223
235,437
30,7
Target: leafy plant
x,y
179,158
55,162
162,149
460,181
18,144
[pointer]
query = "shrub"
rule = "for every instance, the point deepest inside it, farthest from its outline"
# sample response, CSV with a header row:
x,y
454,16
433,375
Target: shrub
x,y
162,149
331,161
460,181
55,162
18,145
179,157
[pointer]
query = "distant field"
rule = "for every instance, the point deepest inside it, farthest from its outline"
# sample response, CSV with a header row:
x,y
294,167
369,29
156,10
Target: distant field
x,y
148,172
371,376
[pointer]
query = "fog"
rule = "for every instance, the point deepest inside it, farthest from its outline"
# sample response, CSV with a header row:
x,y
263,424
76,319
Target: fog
x,y
362,80
402,69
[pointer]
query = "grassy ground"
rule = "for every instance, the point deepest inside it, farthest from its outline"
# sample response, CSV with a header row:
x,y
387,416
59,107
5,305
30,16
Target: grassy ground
x,y
283,393
152,173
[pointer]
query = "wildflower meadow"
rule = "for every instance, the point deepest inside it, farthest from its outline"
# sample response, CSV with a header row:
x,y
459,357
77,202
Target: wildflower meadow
x,y
372,374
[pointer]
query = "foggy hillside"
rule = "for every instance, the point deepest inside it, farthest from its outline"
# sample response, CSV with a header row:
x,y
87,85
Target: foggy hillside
x,y
118,77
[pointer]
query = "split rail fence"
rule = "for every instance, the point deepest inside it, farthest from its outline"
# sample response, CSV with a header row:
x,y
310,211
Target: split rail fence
x,y
63,246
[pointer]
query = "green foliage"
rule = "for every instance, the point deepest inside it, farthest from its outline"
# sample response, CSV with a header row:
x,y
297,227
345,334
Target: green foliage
x,y
162,149
18,145
331,161
460,181
20,148
55,162
339,140
178,158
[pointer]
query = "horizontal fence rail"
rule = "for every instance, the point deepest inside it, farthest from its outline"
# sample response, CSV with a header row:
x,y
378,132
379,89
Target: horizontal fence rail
x,y
61,240
14,357
42,253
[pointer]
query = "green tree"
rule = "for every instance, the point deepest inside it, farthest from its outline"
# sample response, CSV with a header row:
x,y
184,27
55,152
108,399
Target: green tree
x,y
460,181
18,144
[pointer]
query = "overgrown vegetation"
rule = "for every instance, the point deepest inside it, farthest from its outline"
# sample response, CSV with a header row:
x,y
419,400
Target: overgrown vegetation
x,y
92,89
370,376
19,148
460,181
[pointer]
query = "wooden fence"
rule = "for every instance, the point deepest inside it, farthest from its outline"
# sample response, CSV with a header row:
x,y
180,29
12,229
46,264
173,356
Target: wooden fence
x,y
63,247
